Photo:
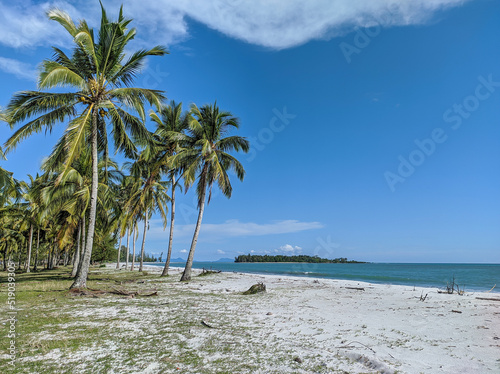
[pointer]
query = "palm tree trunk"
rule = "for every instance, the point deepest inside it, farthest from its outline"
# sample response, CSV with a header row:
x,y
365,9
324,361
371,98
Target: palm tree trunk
x,y
29,249
81,277
144,238
119,248
128,240
35,267
84,234
186,275
66,256
76,259
171,236
51,256
5,258
134,238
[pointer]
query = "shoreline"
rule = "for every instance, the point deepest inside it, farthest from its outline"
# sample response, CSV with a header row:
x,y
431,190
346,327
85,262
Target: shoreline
x,y
494,290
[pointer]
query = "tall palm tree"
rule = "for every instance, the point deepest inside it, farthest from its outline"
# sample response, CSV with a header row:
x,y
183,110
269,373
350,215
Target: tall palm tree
x,y
100,76
34,207
207,160
171,124
150,195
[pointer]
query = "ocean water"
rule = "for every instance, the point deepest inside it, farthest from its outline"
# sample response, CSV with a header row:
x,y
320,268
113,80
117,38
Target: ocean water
x,y
471,277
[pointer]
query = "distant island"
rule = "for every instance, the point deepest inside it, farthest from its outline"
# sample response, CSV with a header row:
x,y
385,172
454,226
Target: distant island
x,y
299,258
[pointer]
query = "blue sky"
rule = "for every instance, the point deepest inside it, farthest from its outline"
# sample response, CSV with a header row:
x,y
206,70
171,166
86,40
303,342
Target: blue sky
x,y
374,125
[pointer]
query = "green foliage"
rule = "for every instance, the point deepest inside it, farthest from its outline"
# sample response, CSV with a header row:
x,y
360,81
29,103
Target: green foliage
x,y
298,258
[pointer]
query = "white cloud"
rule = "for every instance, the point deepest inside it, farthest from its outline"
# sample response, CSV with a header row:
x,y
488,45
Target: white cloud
x,y
221,252
283,24
288,249
271,23
184,251
18,68
235,228
231,229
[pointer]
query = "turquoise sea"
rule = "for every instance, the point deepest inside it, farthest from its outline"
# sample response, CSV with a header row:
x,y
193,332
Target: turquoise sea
x,y
474,277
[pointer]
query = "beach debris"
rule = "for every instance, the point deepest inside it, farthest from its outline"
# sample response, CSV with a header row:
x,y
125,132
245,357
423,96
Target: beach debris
x,y
114,291
491,288
453,287
256,288
422,297
206,272
349,345
456,311
355,288
298,360
269,314
488,298
206,324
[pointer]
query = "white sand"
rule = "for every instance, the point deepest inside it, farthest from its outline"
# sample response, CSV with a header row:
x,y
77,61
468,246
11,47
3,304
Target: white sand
x,y
384,328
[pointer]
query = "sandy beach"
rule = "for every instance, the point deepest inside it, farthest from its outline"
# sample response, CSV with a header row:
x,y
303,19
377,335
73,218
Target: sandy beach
x,y
131,322
304,325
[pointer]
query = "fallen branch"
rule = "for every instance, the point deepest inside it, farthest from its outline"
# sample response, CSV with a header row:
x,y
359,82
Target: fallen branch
x,y
488,298
456,311
123,292
348,346
207,324
355,288
155,293
491,288
115,291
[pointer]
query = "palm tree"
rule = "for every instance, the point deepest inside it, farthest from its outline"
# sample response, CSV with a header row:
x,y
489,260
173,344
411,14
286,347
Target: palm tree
x,y
171,125
32,196
123,195
7,182
101,79
149,195
72,194
11,236
207,160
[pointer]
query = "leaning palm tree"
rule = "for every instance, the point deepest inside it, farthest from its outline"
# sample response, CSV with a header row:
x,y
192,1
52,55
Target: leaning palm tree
x,y
170,127
100,76
206,159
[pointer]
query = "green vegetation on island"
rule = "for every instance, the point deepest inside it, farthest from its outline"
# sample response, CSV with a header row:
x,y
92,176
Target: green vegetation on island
x,y
298,258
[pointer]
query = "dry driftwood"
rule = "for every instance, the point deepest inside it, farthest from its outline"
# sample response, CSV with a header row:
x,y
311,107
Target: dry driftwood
x,y
488,298
204,323
115,291
355,288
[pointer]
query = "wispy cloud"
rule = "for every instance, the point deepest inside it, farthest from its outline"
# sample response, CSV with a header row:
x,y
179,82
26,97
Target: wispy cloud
x,y
234,228
270,23
19,69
